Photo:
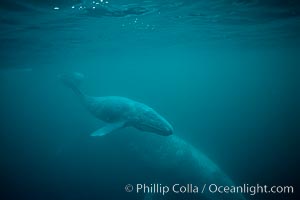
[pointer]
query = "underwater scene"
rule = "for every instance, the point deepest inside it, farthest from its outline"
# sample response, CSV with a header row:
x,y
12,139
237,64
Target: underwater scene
x,y
149,99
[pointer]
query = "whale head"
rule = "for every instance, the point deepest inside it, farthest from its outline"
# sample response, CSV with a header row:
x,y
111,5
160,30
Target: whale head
x,y
151,121
164,128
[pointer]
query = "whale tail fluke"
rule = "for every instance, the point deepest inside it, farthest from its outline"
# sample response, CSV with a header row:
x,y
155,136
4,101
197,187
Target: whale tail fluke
x,y
72,80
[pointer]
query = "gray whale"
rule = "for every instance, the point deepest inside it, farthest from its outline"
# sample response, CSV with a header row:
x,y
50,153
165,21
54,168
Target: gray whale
x,y
151,159
118,112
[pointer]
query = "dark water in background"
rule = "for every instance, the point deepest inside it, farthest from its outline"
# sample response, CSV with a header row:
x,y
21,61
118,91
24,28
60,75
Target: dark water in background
x,y
224,73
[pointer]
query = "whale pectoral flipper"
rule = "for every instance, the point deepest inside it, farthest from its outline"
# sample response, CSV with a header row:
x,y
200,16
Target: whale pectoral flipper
x,y
108,128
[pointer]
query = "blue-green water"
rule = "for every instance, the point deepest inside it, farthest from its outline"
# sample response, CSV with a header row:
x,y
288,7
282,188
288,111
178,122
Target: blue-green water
x,y
224,73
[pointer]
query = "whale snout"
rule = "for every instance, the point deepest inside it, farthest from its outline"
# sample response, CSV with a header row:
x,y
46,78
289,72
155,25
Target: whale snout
x,y
170,130
150,121
167,130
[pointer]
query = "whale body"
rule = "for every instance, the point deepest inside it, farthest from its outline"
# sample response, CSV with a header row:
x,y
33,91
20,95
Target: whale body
x,y
150,159
181,163
118,112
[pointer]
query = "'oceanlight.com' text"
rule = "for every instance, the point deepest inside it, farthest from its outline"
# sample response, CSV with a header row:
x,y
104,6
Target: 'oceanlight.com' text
x,y
211,188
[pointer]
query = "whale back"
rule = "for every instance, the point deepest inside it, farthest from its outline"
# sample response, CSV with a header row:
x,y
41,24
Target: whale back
x,y
186,163
110,108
